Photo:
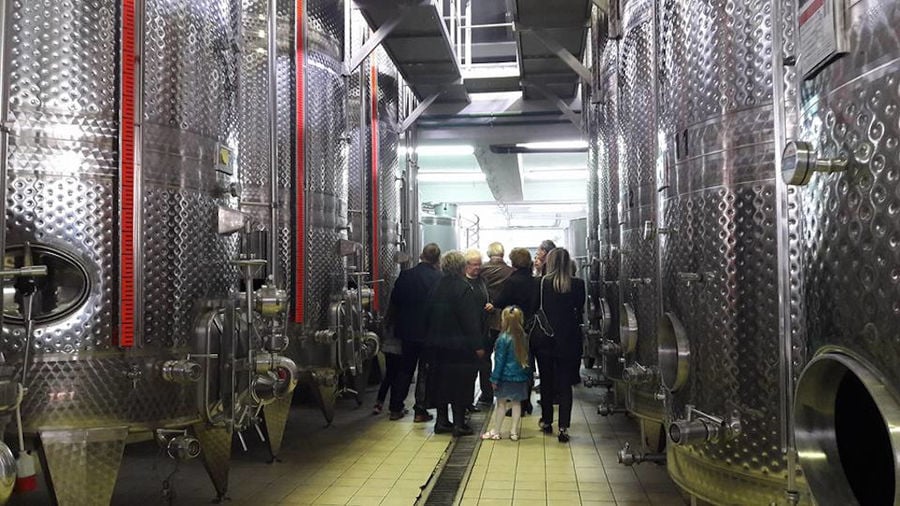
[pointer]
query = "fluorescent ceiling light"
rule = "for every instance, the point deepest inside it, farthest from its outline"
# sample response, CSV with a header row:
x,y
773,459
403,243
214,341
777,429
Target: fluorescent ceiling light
x,y
574,144
557,175
445,150
451,177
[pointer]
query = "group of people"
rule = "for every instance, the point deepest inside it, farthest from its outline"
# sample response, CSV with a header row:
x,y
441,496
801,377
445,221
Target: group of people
x,y
454,319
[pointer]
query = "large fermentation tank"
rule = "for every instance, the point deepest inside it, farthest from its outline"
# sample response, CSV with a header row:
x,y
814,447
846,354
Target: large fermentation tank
x,y
386,177
89,386
441,226
718,343
604,139
848,233
639,276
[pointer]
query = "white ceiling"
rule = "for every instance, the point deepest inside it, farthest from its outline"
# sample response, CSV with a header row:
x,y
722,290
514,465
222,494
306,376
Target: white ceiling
x,y
553,187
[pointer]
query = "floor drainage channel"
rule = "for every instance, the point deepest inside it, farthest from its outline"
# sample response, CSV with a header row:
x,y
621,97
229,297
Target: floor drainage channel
x,y
457,464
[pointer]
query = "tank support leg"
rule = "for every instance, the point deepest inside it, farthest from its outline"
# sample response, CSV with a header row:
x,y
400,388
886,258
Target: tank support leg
x,y
215,442
276,415
83,464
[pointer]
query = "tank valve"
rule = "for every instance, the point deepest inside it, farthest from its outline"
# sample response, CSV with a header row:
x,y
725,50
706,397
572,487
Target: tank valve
x,y
178,444
636,374
610,348
608,406
703,429
270,301
629,457
799,161
181,371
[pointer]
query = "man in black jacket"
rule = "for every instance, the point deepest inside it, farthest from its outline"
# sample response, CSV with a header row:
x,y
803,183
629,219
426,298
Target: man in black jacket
x,y
455,344
408,305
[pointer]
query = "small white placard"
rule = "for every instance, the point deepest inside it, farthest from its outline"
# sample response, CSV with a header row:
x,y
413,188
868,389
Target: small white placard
x,y
821,37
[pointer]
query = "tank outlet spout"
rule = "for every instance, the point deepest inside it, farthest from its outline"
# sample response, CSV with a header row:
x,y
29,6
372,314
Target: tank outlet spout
x,y
703,429
283,370
178,444
181,371
629,457
636,374
608,405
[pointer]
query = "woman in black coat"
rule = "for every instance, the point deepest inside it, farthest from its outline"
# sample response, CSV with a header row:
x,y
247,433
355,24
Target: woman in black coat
x,y
454,344
520,289
559,358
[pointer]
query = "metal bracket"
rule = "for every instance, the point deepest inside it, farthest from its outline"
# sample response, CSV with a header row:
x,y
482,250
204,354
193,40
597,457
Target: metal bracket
x,y
562,53
373,42
560,104
421,108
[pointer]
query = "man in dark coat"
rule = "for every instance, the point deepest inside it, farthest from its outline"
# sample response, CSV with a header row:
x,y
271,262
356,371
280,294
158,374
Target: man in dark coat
x,y
494,274
455,345
483,295
407,306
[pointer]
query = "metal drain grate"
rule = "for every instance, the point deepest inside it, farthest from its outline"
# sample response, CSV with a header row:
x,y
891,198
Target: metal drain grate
x,y
457,464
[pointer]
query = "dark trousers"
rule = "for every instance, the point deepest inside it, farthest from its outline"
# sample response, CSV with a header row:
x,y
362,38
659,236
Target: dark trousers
x,y
553,391
485,364
413,357
393,367
459,415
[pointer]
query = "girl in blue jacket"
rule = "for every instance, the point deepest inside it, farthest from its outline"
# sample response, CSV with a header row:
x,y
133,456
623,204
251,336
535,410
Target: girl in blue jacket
x,y
511,372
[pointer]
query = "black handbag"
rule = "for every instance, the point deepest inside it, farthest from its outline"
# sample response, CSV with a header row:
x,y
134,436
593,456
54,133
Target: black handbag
x,y
540,334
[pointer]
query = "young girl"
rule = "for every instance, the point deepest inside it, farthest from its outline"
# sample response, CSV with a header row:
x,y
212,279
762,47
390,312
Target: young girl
x,y
511,372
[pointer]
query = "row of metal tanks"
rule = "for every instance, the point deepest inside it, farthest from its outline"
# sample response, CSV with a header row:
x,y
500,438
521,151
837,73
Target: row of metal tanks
x,y
744,240
203,210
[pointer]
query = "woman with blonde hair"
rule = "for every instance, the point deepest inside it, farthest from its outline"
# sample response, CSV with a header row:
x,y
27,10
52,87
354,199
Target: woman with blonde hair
x,y
559,357
511,371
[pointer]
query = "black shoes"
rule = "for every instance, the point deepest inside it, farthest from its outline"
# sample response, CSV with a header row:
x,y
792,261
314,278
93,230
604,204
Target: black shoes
x,y
546,428
473,409
462,430
443,428
423,416
396,415
563,436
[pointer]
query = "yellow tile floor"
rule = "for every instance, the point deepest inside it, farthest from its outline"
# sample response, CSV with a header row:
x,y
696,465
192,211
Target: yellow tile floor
x,y
538,470
362,459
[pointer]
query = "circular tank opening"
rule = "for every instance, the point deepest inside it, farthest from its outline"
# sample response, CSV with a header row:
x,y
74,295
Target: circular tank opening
x,y
674,352
61,292
605,317
842,415
628,328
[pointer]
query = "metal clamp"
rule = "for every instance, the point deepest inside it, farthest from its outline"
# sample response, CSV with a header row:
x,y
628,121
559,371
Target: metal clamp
x,y
628,457
704,428
799,162
32,271
650,230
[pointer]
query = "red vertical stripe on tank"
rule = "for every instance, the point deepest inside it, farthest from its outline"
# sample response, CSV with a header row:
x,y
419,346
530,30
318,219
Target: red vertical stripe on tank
x,y
376,257
126,178
300,181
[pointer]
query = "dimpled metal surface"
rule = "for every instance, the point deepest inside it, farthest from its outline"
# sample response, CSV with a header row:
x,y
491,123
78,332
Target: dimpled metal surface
x,y
62,191
637,176
850,230
608,169
285,140
388,176
719,206
253,111
191,69
326,158
62,157
84,464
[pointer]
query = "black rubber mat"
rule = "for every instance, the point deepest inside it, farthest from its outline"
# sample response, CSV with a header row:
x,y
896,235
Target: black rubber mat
x,y
458,462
